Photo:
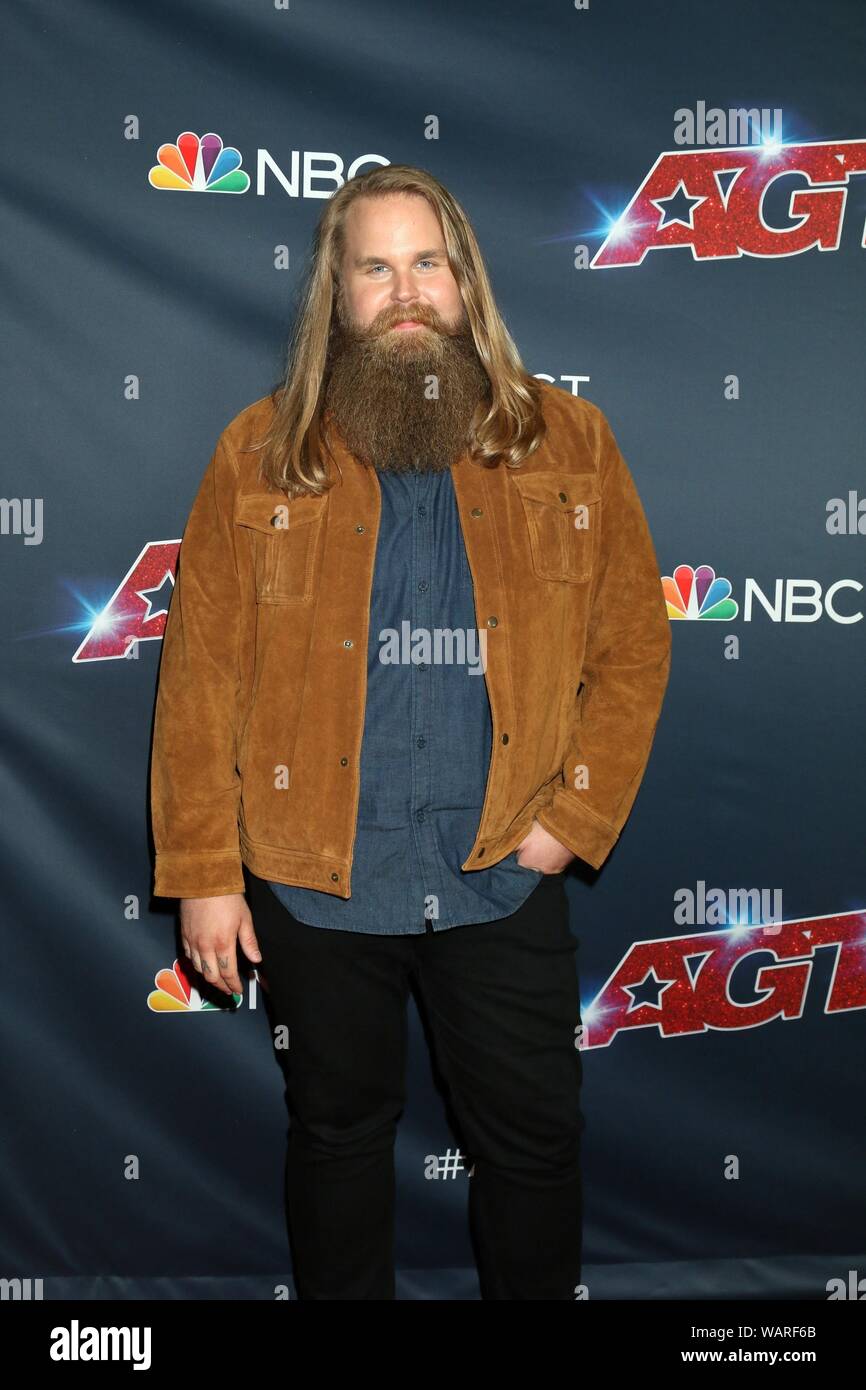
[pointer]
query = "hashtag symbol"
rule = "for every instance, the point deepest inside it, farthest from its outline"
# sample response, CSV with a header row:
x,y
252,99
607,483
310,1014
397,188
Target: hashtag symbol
x,y
449,1164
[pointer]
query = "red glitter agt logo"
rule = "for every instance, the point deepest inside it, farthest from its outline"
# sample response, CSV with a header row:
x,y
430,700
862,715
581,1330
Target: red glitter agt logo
x,y
722,980
713,200
138,608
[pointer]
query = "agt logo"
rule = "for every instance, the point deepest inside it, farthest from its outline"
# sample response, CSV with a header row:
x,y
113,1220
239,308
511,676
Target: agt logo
x,y
712,200
203,164
727,980
137,610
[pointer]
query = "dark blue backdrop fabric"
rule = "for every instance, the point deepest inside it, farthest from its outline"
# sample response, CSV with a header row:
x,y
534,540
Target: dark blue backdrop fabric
x,y
150,278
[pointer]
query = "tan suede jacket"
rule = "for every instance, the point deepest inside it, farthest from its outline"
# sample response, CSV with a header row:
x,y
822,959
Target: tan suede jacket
x,y
260,707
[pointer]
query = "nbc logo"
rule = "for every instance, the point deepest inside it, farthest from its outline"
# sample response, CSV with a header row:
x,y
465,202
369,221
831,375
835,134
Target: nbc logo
x,y
199,165
698,594
176,994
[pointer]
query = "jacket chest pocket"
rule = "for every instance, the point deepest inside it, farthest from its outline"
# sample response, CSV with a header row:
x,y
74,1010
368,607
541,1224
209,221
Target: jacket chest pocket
x,y
562,512
284,534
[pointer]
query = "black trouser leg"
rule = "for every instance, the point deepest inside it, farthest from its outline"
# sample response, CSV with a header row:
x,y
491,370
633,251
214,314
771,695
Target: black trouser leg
x,y
343,997
503,1002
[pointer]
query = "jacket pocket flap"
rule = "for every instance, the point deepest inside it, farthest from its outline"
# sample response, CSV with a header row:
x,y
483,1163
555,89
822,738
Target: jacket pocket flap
x,y
272,512
562,490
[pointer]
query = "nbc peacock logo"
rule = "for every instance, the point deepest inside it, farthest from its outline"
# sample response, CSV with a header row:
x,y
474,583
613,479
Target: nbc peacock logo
x,y
699,594
176,994
199,165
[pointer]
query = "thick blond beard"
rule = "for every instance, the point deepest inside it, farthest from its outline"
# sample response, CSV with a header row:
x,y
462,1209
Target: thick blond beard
x,y
378,386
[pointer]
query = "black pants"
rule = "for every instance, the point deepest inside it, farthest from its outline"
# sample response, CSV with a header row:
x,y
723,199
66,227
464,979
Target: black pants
x,y
503,1005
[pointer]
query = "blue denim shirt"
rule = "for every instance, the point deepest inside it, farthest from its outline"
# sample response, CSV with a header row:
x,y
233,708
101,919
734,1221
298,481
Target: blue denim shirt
x,y
427,736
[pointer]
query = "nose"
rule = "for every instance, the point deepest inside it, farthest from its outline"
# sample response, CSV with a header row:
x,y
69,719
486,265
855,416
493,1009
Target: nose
x,y
404,288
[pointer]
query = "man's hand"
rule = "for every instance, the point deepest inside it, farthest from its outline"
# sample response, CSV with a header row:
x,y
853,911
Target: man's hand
x,y
210,929
543,851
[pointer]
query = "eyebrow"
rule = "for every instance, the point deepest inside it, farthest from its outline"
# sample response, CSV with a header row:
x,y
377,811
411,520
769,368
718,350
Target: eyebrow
x,y
361,261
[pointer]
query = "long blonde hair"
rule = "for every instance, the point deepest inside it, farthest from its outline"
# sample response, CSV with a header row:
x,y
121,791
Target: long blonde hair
x,y
507,428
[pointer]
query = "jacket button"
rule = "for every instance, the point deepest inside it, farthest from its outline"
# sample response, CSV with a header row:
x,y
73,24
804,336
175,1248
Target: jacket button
x,y
477,511
562,497
504,738
348,642
360,528
493,621
334,877
343,762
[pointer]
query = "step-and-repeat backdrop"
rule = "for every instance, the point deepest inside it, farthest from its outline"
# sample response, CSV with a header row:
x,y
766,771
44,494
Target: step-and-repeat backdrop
x,y
671,202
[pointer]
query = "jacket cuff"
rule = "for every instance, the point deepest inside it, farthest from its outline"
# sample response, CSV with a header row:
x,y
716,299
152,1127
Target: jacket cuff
x,y
211,875
578,828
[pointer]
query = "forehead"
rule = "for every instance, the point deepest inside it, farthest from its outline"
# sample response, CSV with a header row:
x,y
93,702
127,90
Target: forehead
x,y
400,221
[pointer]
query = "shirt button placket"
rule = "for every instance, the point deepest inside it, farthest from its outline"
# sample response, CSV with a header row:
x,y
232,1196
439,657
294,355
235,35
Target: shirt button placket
x,y
422,541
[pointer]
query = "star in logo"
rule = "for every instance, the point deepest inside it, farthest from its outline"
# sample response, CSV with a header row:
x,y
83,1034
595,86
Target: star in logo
x,y
678,207
163,591
642,991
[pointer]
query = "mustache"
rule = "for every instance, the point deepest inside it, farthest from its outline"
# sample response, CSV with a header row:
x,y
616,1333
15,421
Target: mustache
x,y
345,329
430,320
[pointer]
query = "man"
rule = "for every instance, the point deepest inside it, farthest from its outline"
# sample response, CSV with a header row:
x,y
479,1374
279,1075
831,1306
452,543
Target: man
x,y
412,667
